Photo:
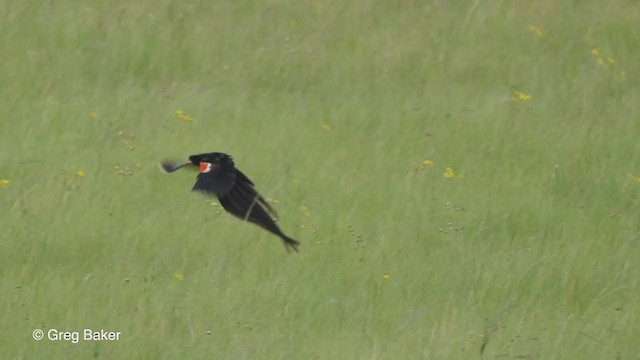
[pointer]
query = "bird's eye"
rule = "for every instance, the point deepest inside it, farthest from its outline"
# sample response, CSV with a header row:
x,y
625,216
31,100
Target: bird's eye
x,y
205,167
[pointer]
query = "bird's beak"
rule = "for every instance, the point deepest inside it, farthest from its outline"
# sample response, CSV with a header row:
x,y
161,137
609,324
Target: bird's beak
x,y
170,167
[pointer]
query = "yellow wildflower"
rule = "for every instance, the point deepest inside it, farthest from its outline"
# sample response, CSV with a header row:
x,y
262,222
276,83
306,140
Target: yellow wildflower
x,y
427,163
325,126
179,276
602,59
449,173
80,173
183,116
4,182
518,95
636,178
93,114
386,276
537,30
305,210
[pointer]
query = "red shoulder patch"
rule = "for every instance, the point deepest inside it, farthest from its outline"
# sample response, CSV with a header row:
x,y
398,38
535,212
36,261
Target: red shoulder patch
x,y
205,167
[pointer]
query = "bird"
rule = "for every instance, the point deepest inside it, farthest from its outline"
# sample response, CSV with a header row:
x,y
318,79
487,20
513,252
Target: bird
x,y
236,192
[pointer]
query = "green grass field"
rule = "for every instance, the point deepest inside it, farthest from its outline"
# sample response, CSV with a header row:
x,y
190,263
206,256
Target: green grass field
x,y
464,178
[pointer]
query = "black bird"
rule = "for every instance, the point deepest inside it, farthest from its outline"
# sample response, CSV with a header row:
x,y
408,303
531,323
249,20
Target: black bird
x,y
236,193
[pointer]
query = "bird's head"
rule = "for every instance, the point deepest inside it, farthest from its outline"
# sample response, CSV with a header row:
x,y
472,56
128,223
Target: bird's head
x,y
213,158
208,161
205,162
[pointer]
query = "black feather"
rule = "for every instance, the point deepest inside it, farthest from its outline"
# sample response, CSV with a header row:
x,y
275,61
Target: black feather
x,y
236,193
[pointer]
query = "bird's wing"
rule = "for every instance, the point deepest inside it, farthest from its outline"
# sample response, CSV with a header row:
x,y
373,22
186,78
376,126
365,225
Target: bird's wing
x,y
243,201
220,180
245,187
243,178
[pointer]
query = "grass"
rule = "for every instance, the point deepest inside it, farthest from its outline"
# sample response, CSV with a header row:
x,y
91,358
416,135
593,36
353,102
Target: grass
x,y
528,248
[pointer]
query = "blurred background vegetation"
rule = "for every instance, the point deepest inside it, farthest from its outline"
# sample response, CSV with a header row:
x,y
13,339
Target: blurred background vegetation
x,y
463,176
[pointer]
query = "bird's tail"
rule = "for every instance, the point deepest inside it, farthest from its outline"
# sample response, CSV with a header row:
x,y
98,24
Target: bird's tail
x,y
290,243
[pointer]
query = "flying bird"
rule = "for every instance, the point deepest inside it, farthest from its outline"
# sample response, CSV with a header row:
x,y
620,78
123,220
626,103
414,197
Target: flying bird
x,y
219,176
